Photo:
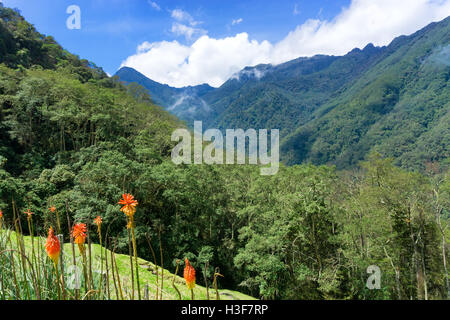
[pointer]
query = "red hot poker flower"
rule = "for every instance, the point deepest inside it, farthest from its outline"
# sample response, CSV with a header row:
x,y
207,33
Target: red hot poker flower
x,y
29,213
98,221
52,246
129,204
189,275
79,233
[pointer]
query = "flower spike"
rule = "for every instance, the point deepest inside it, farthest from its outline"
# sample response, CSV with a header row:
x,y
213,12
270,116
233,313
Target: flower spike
x,y
52,246
189,275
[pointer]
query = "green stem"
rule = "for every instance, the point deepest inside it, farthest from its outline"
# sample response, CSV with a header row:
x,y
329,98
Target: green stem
x,y
57,222
136,262
113,273
101,262
131,263
173,280
156,266
57,280
118,276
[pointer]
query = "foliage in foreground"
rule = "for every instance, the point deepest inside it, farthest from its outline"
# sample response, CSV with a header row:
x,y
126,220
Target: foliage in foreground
x,y
43,277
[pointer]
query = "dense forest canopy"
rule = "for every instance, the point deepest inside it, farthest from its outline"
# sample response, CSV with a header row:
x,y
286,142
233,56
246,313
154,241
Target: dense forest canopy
x,y
75,139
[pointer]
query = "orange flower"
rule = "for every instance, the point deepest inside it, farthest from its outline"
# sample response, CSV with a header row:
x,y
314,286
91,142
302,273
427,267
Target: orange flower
x,y
29,213
52,209
98,221
129,204
52,246
189,275
1,214
79,233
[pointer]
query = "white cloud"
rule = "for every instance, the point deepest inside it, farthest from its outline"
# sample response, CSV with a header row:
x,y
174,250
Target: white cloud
x,y
207,60
236,21
180,15
254,72
179,28
184,16
154,5
364,21
296,11
183,30
213,61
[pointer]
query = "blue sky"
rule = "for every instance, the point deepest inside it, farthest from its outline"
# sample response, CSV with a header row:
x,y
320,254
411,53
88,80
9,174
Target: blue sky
x,y
192,42
111,30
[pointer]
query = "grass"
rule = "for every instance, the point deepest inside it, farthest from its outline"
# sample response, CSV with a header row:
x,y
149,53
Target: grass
x,y
147,275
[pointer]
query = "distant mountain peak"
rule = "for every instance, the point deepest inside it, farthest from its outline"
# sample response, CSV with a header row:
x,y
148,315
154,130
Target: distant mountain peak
x,y
186,103
125,72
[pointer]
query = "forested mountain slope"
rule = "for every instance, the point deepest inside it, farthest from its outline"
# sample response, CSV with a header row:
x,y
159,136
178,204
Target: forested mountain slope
x,y
393,99
400,107
281,96
286,95
186,103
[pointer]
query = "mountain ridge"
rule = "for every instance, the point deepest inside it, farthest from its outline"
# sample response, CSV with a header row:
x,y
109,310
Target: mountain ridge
x,y
303,94
250,76
180,101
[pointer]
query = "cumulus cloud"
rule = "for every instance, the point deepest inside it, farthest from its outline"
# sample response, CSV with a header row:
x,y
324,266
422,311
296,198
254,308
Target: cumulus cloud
x,y
362,22
213,61
207,60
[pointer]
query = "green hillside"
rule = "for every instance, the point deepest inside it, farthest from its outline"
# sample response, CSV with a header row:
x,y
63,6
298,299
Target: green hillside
x,y
69,134
394,100
399,107
147,273
286,95
186,103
